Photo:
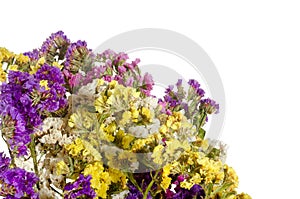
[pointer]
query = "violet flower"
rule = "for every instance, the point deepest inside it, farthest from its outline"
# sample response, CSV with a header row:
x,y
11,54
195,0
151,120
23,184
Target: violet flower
x,y
33,55
210,106
16,183
56,44
23,103
196,86
81,187
196,192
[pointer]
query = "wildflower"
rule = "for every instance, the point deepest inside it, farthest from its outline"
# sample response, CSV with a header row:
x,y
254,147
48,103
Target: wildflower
x,y
80,188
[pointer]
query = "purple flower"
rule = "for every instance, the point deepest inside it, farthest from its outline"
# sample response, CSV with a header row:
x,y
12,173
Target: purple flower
x,y
21,182
4,163
76,55
210,106
179,83
135,62
80,188
121,69
148,81
180,178
196,86
23,103
33,55
56,42
116,67
195,192
16,182
143,180
50,73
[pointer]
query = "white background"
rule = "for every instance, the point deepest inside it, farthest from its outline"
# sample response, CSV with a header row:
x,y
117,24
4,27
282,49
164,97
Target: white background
x,y
255,46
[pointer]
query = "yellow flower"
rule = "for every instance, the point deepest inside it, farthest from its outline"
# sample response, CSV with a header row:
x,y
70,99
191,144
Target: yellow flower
x,y
41,61
100,179
2,74
22,59
138,145
147,113
5,54
126,141
72,120
100,104
113,84
166,180
44,83
157,154
187,185
108,131
13,67
91,151
61,168
37,66
196,179
163,129
243,196
100,82
231,176
210,169
117,176
75,148
126,116
56,64
134,114
204,144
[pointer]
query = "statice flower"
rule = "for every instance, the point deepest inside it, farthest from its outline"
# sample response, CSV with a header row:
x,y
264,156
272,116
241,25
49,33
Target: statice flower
x,y
15,102
80,188
4,163
76,55
196,86
55,45
16,183
210,106
143,180
173,100
33,55
26,98
116,66
55,99
196,192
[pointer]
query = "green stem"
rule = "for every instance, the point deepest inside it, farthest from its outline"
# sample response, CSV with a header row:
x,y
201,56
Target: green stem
x,y
131,178
202,119
150,186
12,157
33,155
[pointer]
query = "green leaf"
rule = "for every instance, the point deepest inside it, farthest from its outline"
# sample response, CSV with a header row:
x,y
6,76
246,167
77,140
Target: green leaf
x,y
209,188
214,153
201,133
222,188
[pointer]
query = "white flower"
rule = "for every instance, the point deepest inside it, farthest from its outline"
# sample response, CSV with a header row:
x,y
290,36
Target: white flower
x,y
24,164
46,193
120,195
88,89
154,127
138,131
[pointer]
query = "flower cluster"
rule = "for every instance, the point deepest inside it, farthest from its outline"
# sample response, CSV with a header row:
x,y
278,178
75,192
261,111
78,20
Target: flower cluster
x,y
16,182
81,187
79,124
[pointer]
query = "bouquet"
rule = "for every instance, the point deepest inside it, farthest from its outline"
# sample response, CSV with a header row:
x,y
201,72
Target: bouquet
x,y
79,124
